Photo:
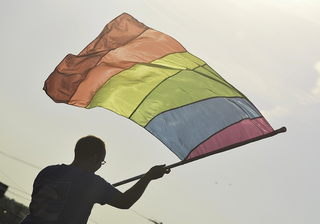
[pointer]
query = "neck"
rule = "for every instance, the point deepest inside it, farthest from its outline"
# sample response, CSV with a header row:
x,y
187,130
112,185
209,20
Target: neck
x,y
82,164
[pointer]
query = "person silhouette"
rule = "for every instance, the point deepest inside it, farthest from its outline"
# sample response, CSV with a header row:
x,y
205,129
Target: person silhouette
x,y
65,194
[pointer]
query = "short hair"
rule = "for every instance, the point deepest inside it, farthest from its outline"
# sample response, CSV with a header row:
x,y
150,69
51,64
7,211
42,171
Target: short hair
x,y
88,146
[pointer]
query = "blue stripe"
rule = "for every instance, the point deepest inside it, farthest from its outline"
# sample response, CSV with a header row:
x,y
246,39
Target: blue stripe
x,y
184,128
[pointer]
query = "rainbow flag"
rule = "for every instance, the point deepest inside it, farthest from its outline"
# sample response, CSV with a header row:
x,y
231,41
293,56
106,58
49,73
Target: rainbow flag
x,y
150,78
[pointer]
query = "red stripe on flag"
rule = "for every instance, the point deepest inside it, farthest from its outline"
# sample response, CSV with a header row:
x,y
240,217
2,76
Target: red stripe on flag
x,y
239,132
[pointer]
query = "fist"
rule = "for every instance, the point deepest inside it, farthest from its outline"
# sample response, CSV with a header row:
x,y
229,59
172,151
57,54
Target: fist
x,y
157,172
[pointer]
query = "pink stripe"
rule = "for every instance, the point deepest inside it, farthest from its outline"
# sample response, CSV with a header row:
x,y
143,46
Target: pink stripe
x,y
236,133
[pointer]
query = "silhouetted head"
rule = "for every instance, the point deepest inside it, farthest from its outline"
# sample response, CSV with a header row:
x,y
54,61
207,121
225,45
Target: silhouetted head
x,y
90,152
88,146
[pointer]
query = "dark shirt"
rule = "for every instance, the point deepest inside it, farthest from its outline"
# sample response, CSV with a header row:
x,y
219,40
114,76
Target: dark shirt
x,y
65,194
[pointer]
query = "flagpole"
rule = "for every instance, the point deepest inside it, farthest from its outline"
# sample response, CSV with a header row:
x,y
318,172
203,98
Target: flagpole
x,y
275,132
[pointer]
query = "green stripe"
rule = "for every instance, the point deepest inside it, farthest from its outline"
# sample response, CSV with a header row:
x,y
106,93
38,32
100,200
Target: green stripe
x,y
145,90
181,89
181,61
124,92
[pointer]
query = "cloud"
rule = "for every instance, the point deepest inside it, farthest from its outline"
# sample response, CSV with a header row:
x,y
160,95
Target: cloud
x,y
278,111
312,95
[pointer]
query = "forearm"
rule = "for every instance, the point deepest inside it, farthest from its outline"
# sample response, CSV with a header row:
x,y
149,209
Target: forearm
x,y
128,198
135,192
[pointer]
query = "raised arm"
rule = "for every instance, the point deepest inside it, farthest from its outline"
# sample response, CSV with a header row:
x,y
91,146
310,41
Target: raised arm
x,y
128,198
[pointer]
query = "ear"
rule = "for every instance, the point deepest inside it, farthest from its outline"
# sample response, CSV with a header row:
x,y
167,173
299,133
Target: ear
x,y
95,158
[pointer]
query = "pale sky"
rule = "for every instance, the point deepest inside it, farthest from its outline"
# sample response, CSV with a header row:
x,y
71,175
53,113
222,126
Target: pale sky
x,y
267,49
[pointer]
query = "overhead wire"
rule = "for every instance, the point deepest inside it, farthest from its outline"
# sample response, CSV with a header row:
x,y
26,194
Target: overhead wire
x,y
146,217
20,160
11,187
14,182
27,199
18,187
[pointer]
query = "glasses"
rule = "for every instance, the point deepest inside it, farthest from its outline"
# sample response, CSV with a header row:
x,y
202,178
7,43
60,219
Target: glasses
x,y
103,162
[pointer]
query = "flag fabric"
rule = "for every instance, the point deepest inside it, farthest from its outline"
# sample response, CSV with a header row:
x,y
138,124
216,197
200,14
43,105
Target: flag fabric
x,y
150,78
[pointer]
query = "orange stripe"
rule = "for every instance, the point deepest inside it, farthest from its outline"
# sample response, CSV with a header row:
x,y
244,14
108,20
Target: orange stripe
x,y
147,47
64,80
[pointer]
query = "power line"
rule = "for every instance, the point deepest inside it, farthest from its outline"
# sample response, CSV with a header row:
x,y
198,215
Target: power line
x,y
146,217
21,189
20,160
14,182
18,195
11,187
27,199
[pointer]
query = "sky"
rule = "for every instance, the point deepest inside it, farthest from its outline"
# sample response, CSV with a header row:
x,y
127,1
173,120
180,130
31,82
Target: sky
x,y
267,49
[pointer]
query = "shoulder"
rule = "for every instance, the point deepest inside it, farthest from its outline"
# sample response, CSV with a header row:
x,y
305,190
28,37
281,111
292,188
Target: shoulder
x,y
48,169
53,167
55,172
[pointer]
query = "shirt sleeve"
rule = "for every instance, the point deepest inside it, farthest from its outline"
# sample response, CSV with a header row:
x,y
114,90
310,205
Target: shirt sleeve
x,y
104,191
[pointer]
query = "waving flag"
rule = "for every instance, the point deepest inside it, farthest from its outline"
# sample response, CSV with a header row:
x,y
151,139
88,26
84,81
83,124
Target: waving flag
x,y
150,78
